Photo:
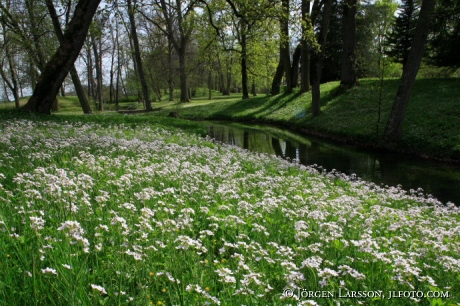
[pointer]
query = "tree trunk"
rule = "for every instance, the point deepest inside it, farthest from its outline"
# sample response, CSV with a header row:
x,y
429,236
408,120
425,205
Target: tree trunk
x,y
89,71
123,86
98,65
112,72
184,94
305,48
316,79
316,82
305,68
137,53
157,89
221,81
73,72
117,84
86,107
117,87
61,62
285,42
33,74
210,84
276,84
112,62
219,76
394,125
55,107
295,66
229,76
170,71
244,63
171,90
13,85
349,78
242,37
5,88
10,85
284,64
132,53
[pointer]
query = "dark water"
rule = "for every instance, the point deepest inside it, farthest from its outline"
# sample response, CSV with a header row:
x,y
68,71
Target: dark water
x,y
440,180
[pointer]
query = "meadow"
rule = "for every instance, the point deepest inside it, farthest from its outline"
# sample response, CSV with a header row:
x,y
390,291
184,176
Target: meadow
x,y
101,213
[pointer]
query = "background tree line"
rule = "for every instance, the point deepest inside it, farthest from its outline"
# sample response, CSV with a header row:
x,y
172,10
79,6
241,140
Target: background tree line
x,y
167,49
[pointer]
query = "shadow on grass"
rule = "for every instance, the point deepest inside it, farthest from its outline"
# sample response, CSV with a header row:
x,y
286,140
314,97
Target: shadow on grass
x,y
328,96
10,112
244,109
278,103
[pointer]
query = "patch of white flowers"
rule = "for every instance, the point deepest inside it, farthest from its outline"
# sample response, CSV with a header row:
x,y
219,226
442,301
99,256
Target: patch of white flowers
x,y
208,214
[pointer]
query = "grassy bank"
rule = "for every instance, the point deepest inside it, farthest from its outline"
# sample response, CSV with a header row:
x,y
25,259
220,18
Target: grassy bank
x,y
123,214
431,127
71,113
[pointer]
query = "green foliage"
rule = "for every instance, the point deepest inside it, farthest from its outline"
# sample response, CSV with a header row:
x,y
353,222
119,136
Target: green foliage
x,y
428,70
373,24
403,30
333,50
128,99
444,43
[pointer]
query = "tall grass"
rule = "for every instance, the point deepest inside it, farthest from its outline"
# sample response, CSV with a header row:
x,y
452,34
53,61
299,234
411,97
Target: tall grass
x,y
116,214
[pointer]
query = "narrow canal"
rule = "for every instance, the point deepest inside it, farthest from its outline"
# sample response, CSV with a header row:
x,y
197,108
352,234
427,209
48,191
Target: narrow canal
x,y
440,180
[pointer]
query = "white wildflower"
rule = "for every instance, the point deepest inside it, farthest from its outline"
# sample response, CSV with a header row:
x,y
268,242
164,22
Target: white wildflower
x,y
98,288
67,266
37,223
49,270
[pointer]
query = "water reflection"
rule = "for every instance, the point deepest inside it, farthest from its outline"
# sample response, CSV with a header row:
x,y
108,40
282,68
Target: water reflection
x,y
442,181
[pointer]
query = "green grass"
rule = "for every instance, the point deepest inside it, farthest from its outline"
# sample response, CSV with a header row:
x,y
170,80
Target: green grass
x,y
71,104
431,127
117,210
106,118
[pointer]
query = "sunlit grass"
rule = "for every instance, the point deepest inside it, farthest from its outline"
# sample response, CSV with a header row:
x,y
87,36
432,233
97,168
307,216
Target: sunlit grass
x,y
132,213
431,126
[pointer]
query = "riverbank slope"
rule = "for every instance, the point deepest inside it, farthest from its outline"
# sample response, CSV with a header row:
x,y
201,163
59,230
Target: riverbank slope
x,y
431,128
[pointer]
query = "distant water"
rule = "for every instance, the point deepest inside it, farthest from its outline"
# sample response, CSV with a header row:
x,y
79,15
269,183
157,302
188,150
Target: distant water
x,y
440,180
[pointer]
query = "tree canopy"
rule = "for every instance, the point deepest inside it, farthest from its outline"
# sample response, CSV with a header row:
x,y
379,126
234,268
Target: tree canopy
x,y
155,47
